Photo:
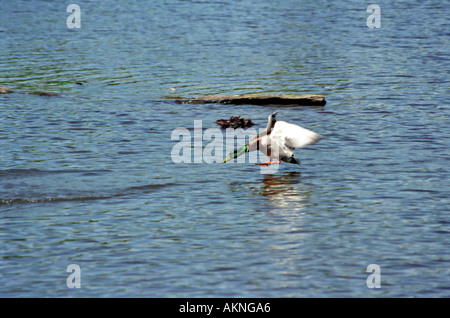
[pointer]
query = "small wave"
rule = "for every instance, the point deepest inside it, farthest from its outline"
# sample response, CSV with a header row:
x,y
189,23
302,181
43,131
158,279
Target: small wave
x,y
62,199
136,190
147,188
37,172
18,172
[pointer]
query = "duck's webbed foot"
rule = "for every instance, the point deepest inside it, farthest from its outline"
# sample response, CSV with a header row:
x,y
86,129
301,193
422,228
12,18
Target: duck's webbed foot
x,y
265,164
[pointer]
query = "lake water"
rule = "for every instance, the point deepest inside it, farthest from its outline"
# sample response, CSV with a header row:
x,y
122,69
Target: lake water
x,y
87,177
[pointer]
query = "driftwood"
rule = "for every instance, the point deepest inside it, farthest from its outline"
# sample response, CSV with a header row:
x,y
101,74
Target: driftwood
x,y
259,99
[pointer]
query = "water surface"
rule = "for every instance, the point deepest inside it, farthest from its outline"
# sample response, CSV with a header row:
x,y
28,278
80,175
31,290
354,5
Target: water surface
x,y
87,177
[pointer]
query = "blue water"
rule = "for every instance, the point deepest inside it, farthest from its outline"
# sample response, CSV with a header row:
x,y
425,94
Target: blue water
x,y
87,177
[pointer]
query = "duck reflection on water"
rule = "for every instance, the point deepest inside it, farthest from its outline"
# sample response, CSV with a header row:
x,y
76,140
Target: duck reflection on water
x,y
284,190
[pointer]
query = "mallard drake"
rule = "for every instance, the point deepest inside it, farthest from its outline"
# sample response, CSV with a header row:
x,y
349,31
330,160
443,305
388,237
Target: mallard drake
x,y
278,142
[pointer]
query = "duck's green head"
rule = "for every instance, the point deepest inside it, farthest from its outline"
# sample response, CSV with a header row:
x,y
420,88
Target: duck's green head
x,y
236,153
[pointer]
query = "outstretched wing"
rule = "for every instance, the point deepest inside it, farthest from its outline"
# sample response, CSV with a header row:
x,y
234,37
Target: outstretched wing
x,y
292,136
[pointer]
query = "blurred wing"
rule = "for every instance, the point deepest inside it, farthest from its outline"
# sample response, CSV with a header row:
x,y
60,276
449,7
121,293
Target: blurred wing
x,y
293,136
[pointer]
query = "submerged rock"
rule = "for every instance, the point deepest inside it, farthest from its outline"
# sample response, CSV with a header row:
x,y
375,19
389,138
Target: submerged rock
x,y
260,99
235,122
5,90
44,94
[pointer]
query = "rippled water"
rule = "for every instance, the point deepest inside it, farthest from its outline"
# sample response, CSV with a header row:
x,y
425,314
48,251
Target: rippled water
x,y
87,178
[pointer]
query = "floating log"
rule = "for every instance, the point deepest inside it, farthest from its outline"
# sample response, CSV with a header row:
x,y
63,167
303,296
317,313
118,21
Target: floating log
x,y
259,99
